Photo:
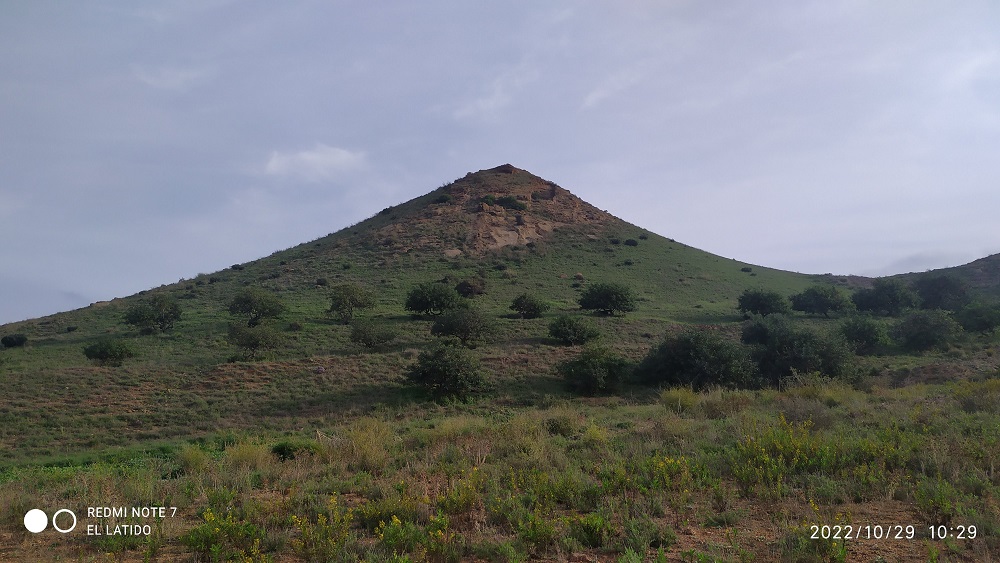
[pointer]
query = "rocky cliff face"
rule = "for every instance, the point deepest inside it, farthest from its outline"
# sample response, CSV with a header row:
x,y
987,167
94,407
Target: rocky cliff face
x,y
488,210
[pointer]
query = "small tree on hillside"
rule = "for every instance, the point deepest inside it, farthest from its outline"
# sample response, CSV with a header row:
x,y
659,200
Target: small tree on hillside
x,y
761,302
372,334
447,371
782,349
159,313
432,299
941,292
346,298
529,306
253,339
256,304
699,359
470,288
821,300
14,340
920,331
595,371
979,317
109,351
886,297
469,325
608,298
572,331
865,334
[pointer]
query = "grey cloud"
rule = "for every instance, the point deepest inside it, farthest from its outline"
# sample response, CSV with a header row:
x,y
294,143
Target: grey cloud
x,y
813,136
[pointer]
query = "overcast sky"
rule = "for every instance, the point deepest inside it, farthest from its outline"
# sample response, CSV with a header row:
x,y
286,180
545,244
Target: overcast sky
x,y
143,142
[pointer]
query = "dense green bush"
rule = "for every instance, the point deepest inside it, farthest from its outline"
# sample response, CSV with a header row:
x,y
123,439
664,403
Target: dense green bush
x,y
159,313
941,292
469,325
979,317
699,359
781,349
821,300
109,351
511,202
761,302
529,306
253,340
13,340
595,371
372,334
608,298
346,298
923,330
256,304
446,371
471,287
865,334
572,331
432,299
886,297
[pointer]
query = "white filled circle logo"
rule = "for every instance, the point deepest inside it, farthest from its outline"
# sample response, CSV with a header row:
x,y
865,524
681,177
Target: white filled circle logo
x,y
35,521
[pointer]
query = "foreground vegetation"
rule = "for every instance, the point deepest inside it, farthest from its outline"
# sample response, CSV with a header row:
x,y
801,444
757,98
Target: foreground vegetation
x,y
720,475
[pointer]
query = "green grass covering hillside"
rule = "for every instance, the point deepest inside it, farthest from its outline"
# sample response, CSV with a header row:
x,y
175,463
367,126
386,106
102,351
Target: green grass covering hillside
x,y
59,403
320,450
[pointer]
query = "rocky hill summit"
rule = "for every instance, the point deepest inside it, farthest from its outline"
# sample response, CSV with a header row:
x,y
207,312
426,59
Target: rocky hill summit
x,y
484,211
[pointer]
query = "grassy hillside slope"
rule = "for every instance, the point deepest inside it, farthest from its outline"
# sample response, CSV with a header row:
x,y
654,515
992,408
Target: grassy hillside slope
x,y
180,384
320,451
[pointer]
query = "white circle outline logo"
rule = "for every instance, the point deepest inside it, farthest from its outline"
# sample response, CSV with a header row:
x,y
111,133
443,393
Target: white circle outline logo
x,y
56,526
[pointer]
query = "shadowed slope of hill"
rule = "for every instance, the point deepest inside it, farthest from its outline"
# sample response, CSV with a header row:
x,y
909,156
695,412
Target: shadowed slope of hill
x,y
982,276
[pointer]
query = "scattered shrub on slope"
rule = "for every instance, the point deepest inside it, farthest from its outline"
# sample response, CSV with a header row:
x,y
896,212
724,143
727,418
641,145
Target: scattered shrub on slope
x,y
431,299
865,334
923,330
595,371
572,331
346,298
529,306
698,359
109,351
446,371
469,325
608,298
761,302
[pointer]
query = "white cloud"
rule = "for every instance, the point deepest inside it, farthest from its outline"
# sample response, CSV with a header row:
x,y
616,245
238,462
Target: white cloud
x,y
320,164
